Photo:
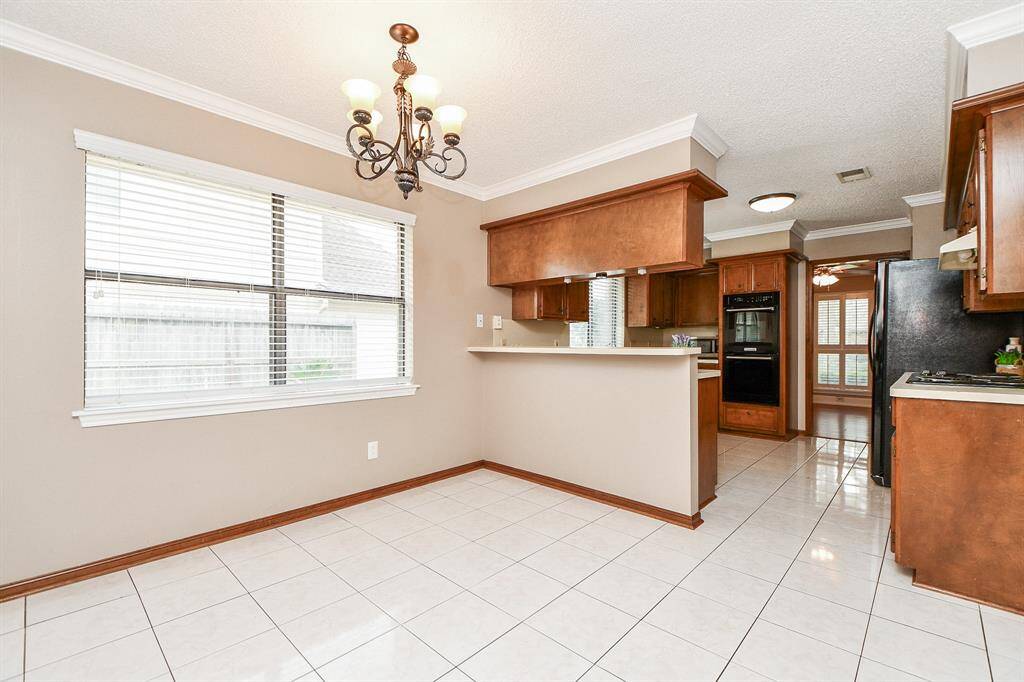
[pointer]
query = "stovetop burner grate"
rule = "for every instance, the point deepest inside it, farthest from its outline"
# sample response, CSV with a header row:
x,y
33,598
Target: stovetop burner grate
x,y
960,379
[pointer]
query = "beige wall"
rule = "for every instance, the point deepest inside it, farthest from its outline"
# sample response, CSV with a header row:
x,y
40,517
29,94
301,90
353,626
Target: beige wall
x,y
928,234
70,495
758,243
858,244
658,162
995,65
622,425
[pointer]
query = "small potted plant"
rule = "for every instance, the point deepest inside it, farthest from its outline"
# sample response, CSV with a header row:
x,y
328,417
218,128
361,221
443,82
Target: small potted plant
x,y
1010,362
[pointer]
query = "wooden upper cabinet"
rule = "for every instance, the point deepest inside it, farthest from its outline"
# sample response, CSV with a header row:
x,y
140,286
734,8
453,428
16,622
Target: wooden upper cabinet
x,y
658,225
747,276
985,190
566,302
697,298
737,278
765,275
651,300
577,302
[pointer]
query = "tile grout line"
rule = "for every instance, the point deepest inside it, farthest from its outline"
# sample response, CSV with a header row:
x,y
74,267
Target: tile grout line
x,y
698,564
779,584
149,620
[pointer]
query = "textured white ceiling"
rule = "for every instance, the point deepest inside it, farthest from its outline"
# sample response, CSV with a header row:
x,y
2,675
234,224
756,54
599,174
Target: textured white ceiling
x,y
798,90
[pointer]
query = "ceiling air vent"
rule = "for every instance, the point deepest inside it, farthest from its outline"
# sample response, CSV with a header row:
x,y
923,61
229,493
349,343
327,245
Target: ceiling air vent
x,y
853,175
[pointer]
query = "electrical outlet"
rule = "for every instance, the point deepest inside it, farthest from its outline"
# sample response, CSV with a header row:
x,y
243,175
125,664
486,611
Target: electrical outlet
x,y
496,322
480,320
371,449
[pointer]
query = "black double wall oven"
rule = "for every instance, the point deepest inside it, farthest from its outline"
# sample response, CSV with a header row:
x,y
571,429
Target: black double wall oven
x,y
750,370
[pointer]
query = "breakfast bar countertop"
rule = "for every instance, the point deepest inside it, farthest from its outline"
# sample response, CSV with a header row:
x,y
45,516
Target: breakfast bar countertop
x,y
567,350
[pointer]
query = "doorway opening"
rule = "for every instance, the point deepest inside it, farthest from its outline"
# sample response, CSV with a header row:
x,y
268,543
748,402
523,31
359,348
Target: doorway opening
x,y
840,303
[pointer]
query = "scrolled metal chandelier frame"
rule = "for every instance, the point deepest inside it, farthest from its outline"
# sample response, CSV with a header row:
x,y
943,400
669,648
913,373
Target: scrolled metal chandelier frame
x,y
415,144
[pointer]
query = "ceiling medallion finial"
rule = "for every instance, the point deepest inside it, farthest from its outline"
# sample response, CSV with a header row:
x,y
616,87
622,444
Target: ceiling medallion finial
x,y
416,107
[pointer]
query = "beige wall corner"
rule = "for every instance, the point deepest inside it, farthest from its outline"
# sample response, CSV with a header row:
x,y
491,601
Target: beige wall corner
x,y
759,243
172,479
858,244
928,234
667,159
995,65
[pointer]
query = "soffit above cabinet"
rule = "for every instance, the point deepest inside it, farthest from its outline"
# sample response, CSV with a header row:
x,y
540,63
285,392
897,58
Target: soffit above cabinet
x,y
658,225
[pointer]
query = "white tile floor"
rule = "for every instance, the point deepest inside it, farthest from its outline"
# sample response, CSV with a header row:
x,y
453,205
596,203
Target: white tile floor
x,y
487,577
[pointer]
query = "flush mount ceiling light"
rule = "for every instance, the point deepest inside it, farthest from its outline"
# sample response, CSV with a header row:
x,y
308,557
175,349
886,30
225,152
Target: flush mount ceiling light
x,y
416,108
770,203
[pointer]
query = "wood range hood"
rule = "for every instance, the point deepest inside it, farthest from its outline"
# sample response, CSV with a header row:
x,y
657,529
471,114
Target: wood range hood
x,y
657,225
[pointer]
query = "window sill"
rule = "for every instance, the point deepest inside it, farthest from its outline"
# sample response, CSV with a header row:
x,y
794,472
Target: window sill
x,y
120,414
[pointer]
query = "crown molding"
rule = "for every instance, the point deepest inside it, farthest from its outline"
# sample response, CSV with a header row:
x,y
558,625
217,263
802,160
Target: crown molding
x,y
915,200
988,27
793,226
862,228
44,46
691,126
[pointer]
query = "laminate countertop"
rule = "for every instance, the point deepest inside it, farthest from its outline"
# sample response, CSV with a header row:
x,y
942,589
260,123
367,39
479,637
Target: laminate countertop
x,y
969,394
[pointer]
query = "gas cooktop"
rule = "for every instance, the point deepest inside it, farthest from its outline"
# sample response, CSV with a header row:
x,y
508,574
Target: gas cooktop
x,y
957,379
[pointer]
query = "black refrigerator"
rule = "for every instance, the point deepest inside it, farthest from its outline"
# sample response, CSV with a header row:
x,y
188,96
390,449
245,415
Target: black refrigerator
x,y
919,323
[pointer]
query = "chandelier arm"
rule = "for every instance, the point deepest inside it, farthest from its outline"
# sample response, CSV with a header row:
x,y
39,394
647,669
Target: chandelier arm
x,y
440,165
377,155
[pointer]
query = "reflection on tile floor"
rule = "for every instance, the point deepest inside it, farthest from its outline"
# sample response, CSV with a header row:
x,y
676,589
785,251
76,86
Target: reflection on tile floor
x,y
487,577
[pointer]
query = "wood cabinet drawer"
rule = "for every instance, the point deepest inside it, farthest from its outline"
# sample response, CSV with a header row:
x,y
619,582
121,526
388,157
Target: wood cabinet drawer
x,y
749,417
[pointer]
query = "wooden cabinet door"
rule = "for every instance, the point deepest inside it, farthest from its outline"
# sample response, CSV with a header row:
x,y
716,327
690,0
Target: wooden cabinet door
x,y
638,309
1002,184
663,300
577,302
736,278
766,275
698,299
552,302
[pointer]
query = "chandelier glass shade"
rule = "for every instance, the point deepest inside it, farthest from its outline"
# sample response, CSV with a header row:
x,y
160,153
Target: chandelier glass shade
x,y
416,108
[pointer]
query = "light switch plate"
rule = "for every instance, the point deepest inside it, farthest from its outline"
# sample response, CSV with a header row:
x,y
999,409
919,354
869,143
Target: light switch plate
x,y
480,320
496,322
372,449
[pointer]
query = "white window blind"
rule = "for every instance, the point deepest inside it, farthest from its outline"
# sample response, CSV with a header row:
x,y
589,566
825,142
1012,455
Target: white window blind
x,y
607,317
828,321
198,289
856,327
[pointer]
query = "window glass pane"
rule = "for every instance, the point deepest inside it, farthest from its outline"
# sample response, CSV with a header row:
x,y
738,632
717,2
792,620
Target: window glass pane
x,y
828,369
154,339
856,322
607,316
856,369
828,321
333,251
333,340
140,220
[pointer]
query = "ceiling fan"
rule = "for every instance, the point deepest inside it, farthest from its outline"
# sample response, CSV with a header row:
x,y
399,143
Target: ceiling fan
x,y
826,274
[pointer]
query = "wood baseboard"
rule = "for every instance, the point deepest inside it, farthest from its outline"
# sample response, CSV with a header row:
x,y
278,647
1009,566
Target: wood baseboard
x,y
121,562
659,513
754,434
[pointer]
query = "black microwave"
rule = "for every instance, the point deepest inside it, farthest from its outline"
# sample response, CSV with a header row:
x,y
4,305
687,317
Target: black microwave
x,y
708,346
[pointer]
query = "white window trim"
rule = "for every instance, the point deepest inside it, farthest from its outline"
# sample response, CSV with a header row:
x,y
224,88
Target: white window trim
x,y
159,411
123,414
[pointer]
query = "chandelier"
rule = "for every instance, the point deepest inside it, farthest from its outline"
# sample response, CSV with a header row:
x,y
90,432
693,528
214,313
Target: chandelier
x,y
416,107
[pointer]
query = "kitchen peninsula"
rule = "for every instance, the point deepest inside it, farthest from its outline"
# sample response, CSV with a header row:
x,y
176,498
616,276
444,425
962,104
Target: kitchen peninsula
x,y
622,422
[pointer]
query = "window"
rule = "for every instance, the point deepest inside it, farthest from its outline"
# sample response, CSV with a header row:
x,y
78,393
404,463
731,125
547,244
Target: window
x,y
205,292
841,341
607,325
